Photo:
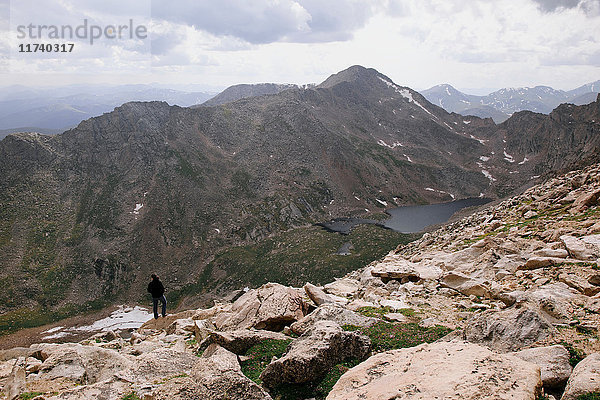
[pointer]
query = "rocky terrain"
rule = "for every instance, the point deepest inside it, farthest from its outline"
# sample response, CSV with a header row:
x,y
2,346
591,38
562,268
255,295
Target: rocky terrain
x,y
503,304
242,91
501,104
87,215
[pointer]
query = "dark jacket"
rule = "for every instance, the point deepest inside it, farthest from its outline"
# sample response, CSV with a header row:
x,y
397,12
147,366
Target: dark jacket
x,y
156,288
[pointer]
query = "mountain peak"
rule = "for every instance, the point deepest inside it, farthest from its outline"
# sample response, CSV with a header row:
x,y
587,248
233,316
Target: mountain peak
x,y
352,74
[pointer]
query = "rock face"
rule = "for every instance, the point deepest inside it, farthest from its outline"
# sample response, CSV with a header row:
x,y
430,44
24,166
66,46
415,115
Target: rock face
x,y
81,364
164,362
508,330
584,379
553,362
314,353
465,285
451,370
271,307
216,375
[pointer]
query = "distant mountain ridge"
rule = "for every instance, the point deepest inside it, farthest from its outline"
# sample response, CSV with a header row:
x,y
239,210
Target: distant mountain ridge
x,y
501,104
58,109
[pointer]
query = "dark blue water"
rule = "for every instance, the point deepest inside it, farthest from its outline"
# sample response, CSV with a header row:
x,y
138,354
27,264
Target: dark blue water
x,y
409,219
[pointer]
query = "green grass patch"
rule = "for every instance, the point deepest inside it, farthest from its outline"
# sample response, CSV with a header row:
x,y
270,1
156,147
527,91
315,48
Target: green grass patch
x,y
131,396
589,396
22,318
260,355
575,355
389,336
29,395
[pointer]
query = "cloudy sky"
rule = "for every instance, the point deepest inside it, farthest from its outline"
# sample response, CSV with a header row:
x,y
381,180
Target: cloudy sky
x,y
471,44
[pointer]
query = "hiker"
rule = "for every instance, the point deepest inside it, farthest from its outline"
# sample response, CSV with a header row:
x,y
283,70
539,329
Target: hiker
x,y
157,290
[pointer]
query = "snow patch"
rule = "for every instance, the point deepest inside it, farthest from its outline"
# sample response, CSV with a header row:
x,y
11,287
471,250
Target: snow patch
x,y
447,91
406,94
508,157
488,175
121,319
392,146
524,161
407,158
218,230
484,158
137,208
466,122
356,198
382,202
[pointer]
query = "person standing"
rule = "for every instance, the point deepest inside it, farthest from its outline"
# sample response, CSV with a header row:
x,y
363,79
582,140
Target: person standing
x,y
157,290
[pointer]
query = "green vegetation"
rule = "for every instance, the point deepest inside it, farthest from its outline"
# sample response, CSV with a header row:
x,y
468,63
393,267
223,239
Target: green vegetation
x,y
389,336
260,355
15,320
294,258
575,355
589,396
29,395
131,396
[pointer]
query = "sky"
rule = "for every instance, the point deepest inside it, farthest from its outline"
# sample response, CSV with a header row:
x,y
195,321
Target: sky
x,y
475,45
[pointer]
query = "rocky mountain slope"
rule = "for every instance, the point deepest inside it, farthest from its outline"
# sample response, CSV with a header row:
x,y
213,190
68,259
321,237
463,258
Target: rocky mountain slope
x,y
502,304
242,91
87,215
501,104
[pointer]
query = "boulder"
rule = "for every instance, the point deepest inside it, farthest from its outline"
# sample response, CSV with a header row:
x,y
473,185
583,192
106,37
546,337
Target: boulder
x,y
331,312
312,355
540,262
466,285
15,384
202,329
585,248
318,296
552,253
585,200
443,370
241,340
580,284
158,364
553,362
396,267
584,379
183,327
342,287
109,389
210,313
81,364
270,307
554,301
508,330
215,376
162,323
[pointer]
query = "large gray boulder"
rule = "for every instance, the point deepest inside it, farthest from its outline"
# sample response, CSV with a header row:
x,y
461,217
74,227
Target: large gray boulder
x,y
511,329
81,364
553,362
443,370
466,285
215,376
584,379
331,312
310,356
583,248
271,307
158,364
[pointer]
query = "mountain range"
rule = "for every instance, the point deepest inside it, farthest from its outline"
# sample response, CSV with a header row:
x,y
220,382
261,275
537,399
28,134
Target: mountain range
x,y
88,214
501,104
54,110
